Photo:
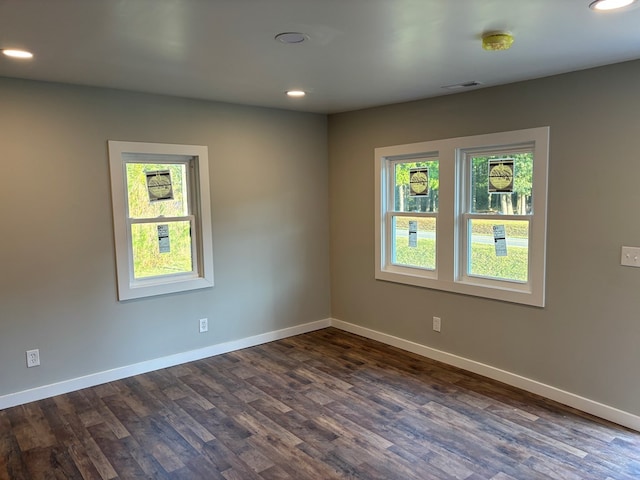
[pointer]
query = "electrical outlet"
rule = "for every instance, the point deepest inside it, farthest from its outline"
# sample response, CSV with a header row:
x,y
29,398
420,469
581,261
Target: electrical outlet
x,y
204,325
33,358
436,324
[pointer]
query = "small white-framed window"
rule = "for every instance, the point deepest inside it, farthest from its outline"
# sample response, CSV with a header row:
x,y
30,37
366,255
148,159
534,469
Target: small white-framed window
x,y
484,234
161,217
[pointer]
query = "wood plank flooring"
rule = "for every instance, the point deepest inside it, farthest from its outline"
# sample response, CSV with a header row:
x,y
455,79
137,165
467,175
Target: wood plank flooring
x,y
324,405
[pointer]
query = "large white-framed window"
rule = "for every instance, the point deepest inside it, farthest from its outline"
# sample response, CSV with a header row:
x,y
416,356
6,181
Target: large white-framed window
x,y
161,218
478,224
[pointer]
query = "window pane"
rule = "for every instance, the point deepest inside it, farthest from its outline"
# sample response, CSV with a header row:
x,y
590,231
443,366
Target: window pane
x,y
162,248
502,184
417,186
494,255
414,242
157,189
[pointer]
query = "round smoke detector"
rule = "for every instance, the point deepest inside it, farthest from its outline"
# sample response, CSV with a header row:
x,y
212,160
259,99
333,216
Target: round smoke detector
x,y
497,41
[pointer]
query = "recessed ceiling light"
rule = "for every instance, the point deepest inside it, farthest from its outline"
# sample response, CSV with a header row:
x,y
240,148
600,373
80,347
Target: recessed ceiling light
x,y
296,93
604,5
17,53
291,37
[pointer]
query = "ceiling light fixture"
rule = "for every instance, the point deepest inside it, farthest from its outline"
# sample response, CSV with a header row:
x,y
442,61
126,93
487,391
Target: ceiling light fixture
x,y
17,53
606,5
497,41
296,93
291,37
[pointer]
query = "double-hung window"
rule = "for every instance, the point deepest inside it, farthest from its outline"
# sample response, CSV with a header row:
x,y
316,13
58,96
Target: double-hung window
x,y
161,216
413,213
466,215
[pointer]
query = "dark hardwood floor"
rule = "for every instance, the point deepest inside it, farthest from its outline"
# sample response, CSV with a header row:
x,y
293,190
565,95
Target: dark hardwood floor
x,y
322,405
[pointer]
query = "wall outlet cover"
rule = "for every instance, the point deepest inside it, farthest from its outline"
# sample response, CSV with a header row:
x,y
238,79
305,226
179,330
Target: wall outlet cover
x,y
33,358
204,325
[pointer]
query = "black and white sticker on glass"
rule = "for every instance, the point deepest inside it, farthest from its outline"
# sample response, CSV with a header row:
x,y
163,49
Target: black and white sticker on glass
x,y
500,240
413,233
159,185
163,239
419,182
501,174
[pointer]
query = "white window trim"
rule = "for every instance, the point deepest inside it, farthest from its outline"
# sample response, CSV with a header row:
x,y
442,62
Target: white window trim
x,y
450,230
202,276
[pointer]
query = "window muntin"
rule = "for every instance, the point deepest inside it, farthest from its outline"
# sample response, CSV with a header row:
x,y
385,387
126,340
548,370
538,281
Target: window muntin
x,y
161,216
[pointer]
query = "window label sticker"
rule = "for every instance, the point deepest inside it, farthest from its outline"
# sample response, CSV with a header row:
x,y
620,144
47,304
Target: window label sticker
x,y
413,233
501,173
159,185
500,240
419,182
163,239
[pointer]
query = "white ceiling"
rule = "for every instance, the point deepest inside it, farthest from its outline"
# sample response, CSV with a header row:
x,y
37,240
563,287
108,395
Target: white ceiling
x,y
360,53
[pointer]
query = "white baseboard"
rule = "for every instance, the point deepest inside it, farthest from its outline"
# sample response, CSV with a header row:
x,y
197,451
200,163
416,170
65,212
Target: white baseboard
x,y
566,398
66,386
584,404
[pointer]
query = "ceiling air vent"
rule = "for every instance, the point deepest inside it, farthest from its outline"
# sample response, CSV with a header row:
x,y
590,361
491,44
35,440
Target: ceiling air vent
x,y
459,86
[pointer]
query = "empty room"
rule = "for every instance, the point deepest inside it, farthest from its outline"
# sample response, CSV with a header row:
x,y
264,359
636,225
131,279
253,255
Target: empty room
x,y
319,239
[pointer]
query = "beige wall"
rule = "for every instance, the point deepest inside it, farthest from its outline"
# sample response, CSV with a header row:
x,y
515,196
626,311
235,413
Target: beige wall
x,y
586,340
270,193
269,183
